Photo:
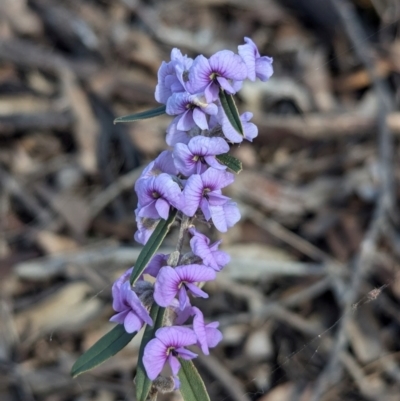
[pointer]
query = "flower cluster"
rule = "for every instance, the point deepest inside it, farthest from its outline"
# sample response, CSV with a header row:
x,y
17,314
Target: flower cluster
x,y
190,179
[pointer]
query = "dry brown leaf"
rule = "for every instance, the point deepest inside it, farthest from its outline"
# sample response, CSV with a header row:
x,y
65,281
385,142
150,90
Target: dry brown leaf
x,y
393,121
149,135
68,309
23,20
287,392
234,334
73,208
53,243
86,126
283,392
267,193
24,104
138,47
259,345
364,336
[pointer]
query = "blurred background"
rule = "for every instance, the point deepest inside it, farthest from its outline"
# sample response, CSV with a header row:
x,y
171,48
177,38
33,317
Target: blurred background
x,y
309,305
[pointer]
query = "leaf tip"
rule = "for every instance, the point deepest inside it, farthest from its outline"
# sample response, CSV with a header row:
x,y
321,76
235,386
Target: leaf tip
x,y
75,371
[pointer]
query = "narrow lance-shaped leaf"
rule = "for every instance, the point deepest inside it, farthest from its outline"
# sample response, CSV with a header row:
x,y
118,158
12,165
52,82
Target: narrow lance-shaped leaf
x,y
143,383
231,111
158,111
103,349
152,246
231,162
192,386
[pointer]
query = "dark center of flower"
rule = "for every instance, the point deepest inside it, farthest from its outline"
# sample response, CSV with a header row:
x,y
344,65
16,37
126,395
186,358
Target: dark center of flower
x,y
185,76
205,192
213,76
198,158
182,284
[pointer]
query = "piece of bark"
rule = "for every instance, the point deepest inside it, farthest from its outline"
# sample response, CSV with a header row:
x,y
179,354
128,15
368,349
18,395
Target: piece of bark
x,y
28,54
12,124
317,125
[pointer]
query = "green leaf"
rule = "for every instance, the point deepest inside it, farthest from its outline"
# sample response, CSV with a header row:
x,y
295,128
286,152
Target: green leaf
x,y
231,162
158,111
105,348
231,111
152,245
143,383
192,386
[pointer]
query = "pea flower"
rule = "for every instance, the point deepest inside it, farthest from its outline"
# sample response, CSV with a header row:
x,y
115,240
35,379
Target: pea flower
x,y
171,282
164,163
209,254
130,311
174,135
224,69
145,227
224,216
250,130
181,315
190,109
166,347
204,191
208,336
198,153
257,65
170,76
156,196
156,263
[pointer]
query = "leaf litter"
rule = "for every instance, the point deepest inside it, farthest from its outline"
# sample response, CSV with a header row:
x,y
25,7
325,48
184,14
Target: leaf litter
x,y
313,284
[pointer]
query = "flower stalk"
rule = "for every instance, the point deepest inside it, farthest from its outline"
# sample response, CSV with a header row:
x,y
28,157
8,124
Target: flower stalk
x,y
186,181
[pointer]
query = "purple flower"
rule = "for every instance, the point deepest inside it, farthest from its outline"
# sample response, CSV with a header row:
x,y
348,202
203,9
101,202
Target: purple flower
x,y
191,158
208,336
204,190
145,227
125,277
257,66
209,254
156,263
224,69
225,216
171,282
170,76
174,135
191,109
177,382
167,346
156,195
164,163
250,130
131,313
182,315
